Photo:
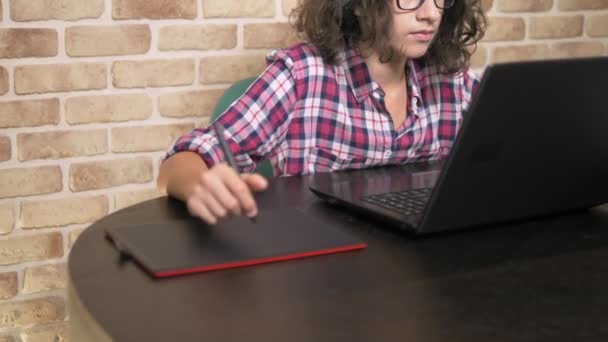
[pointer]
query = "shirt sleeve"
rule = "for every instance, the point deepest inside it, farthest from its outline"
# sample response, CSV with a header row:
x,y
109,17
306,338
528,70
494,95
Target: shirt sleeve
x,y
254,124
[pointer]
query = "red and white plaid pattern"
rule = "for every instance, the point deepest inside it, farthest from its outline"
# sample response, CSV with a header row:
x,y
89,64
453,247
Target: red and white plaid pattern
x,y
306,116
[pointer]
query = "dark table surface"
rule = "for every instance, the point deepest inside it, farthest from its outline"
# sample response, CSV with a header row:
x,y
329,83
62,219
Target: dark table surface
x,y
539,280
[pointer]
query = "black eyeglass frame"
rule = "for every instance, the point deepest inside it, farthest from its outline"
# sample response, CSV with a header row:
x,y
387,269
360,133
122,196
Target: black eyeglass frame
x,y
446,4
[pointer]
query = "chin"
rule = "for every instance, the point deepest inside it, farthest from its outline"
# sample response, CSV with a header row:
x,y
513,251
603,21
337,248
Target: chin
x,y
416,53
415,49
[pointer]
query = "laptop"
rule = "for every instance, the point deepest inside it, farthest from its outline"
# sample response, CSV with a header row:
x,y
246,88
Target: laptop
x,y
532,143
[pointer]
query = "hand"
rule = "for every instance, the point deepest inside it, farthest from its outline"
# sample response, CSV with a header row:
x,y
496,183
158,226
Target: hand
x,y
221,191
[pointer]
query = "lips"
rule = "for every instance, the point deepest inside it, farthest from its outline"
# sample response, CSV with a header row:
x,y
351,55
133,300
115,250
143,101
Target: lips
x,y
423,35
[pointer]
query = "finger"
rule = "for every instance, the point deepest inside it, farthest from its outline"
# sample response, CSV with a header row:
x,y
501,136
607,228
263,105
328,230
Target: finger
x,y
222,195
214,206
209,181
240,189
198,209
255,181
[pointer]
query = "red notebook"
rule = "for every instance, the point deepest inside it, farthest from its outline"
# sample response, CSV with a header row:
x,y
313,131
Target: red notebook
x,y
189,246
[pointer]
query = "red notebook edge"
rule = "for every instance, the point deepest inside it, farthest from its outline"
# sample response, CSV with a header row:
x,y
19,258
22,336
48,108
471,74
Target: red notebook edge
x,y
172,273
128,252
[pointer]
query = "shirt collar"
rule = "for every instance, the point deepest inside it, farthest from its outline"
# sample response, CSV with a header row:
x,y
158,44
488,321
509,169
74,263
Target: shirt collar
x,y
357,74
414,81
363,86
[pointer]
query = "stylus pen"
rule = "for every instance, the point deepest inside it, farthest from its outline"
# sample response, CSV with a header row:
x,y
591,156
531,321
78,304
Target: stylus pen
x,y
219,132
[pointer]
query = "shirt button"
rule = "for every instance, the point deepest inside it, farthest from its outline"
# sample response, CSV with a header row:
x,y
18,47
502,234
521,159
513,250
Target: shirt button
x,y
387,154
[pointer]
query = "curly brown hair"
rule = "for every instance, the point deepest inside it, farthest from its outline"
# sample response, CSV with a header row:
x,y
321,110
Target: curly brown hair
x,y
332,25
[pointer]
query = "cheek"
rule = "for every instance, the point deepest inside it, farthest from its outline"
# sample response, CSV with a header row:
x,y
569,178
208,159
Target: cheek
x,y
400,37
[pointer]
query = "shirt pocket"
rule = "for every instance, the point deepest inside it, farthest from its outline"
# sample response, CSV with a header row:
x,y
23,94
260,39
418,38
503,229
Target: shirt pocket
x,y
430,153
325,160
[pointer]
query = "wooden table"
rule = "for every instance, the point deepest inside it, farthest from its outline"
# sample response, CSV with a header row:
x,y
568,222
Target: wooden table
x,y
540,280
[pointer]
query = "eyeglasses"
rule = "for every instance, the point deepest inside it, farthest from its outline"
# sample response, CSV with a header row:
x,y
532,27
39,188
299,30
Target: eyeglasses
x,y
410,5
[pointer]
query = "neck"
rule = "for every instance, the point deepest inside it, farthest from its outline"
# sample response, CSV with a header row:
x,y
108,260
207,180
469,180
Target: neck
x,y
385,74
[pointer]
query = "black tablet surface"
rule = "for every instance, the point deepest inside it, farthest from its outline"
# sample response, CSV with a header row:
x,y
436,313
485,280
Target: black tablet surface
x,y
190,246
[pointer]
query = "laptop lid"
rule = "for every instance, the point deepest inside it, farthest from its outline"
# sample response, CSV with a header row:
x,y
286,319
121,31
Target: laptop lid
x,y
530,144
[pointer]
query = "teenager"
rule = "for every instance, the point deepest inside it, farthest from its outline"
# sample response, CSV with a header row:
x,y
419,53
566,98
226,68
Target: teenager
x,y
378,82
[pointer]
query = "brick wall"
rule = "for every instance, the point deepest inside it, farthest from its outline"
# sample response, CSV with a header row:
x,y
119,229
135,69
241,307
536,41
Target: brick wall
x,y
93,91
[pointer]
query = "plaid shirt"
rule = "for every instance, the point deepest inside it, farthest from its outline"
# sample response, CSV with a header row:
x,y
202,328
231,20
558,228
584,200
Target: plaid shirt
x,y
306,116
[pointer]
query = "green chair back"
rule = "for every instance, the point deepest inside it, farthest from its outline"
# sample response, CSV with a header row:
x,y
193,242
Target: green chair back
x,y
230,95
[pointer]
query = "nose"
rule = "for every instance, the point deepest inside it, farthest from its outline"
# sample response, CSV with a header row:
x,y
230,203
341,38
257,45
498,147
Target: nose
x,y
428,11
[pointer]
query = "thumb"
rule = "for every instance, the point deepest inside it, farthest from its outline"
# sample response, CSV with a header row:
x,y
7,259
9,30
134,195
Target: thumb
x,y
255,181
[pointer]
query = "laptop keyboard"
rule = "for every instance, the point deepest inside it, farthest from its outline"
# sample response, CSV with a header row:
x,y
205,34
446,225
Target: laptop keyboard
x,y
408,203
